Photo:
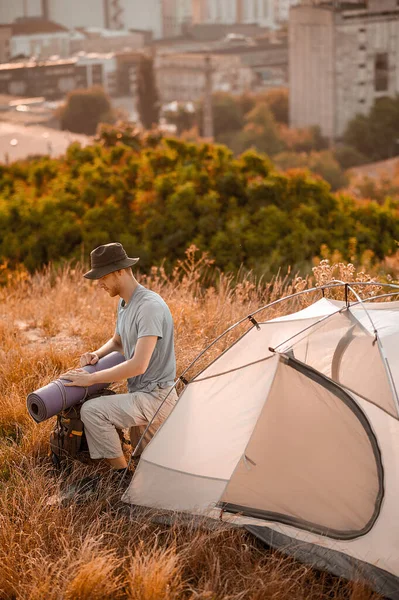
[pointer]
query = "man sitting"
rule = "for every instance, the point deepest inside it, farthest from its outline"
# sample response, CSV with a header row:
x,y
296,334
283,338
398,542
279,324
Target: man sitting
x,y
144,334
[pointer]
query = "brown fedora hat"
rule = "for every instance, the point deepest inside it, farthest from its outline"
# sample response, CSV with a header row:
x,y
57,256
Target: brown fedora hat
x,y
107,259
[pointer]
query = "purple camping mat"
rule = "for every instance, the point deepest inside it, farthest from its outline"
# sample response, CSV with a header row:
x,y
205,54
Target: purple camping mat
x,y
55,397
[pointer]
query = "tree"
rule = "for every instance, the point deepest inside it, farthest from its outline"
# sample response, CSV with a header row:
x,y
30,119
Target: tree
x,y
228,116
277,100
304,139
85,109
260,132
148,99
377,134
161,195
359,136
349,157
322,163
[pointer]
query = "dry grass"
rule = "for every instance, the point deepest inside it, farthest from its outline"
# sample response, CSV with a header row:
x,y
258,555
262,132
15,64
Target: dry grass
x,y
97,550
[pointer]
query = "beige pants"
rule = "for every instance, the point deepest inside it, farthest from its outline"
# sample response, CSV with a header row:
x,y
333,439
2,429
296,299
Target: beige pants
x,y
104,415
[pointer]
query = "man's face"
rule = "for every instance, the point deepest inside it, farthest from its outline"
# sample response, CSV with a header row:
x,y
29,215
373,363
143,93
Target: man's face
x,y
110,283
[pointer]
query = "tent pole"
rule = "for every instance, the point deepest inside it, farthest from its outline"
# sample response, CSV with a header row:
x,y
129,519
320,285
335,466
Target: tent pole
x,y
308,327
251,318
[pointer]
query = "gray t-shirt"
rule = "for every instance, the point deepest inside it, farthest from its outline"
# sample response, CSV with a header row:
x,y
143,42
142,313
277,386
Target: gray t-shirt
x,y
146,314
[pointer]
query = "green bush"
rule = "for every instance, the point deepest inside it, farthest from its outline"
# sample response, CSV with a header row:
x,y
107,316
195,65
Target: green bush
x,y
376,135
85,109
158,196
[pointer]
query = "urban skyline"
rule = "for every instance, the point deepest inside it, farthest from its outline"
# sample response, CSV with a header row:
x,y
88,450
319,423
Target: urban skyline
x,y
164,18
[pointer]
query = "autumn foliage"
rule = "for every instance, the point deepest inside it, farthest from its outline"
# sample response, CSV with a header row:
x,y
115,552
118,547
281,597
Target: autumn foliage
x,y
160,195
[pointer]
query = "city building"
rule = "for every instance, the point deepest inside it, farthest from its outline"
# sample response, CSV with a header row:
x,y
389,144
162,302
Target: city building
x,y
266,57
53,79
176,17
216,11
282,9
184,13
70,13
260,12
264,52
5,42
145,14
182,77
127,73
10,10
342,56
95,69
151,15
40,38
96,39
257,11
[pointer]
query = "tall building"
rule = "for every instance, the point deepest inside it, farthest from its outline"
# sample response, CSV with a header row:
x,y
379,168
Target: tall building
x,y
282,9
342,56
14,9
75,13
260,12
142,14
108,14
5,43
176,15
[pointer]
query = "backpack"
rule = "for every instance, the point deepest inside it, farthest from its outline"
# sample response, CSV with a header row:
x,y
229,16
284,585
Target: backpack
x,y
67,439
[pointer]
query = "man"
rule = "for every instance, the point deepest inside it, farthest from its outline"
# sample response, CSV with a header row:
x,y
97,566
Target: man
x,y
144,334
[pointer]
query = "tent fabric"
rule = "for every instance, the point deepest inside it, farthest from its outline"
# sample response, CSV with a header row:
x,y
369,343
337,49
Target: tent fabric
x,y
54,397
327,559
254,345
301,440
212,410
340,491
344,351
380,546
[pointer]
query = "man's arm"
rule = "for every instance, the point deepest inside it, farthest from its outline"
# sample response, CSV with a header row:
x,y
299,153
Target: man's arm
x,y
137,365
113,345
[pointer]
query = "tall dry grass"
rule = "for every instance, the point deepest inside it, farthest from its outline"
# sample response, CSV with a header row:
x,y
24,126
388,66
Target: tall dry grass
x,y
97,550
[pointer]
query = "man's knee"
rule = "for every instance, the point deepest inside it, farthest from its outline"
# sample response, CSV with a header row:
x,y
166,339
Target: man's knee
x,y
87,412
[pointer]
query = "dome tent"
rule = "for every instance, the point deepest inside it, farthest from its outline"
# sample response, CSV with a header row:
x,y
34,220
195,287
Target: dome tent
x,y
293,433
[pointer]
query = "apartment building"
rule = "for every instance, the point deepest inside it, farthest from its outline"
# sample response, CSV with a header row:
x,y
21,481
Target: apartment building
x,y
5,43
161,17
342,56
260,12
182,76
40,38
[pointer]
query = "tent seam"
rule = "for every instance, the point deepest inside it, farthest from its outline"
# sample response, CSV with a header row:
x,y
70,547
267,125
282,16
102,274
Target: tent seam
x,y
149,462
255,362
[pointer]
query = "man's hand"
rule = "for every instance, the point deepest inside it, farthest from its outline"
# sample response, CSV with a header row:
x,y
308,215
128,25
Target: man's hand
x,y
77,377
89,358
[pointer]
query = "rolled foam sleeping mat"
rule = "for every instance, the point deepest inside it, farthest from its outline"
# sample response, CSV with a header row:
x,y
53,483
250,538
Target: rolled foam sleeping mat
x,y
55,396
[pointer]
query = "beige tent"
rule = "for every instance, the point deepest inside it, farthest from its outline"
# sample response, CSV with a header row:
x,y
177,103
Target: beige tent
x,y
293,433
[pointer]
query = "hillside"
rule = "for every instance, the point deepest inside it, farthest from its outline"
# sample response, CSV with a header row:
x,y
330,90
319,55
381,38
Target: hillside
x,y
98,550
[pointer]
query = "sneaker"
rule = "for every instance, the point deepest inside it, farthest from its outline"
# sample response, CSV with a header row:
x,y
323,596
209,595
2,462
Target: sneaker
x,y
80,491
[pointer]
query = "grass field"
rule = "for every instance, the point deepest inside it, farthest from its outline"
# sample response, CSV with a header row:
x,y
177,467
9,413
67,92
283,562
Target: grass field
x,y
97,550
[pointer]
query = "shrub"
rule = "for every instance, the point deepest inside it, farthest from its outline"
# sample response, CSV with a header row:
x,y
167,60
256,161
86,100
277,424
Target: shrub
x,y
85,109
